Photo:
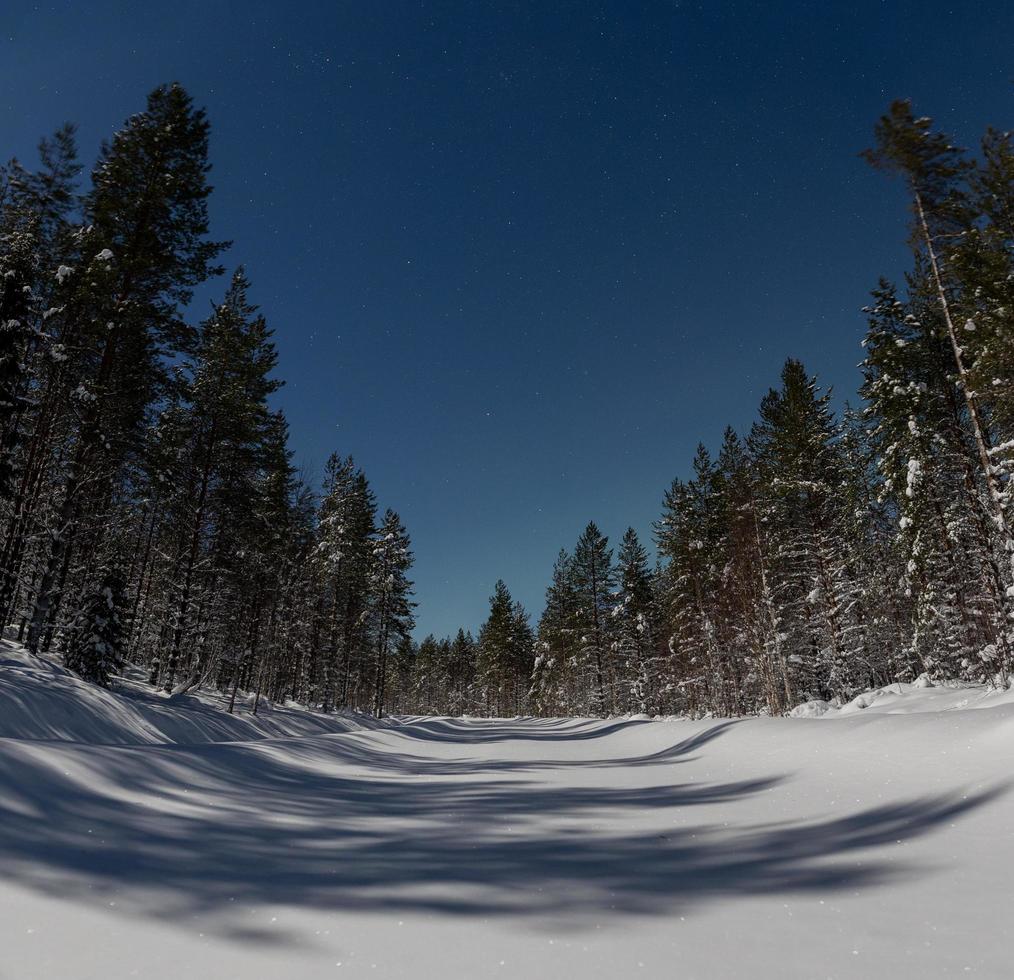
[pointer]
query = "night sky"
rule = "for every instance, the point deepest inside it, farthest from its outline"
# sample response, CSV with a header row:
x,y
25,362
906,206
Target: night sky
x,y
521,257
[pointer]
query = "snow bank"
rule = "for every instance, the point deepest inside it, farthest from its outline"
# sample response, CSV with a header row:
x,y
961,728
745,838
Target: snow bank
x,y
922,695
40,700
925,695
812,709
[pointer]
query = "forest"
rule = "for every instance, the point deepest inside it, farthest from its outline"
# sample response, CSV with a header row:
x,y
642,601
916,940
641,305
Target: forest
x,y
152,517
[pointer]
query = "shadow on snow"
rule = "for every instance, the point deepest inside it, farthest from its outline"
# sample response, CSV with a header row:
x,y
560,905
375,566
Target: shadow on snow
x,y
182,830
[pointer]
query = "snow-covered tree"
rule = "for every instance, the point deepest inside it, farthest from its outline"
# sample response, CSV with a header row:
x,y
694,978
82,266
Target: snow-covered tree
x,y
635,627
390,611
593,580
504,654
96,648
554,669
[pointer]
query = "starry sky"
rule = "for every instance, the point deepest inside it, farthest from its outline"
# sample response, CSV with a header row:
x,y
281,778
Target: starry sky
x,y
521,257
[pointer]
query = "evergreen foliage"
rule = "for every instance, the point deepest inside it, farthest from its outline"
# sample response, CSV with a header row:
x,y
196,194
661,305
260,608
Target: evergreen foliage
x,y
96,649
504,655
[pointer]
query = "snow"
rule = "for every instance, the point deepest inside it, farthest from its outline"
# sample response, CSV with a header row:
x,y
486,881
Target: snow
x,y
812,709
155,837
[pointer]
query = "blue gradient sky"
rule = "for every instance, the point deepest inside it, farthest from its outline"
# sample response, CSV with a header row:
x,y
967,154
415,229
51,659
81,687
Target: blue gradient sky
x,y
521,257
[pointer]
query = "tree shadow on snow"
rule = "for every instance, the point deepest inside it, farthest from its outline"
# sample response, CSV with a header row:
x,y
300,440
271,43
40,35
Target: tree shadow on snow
x,y
359,749
178,831
482,731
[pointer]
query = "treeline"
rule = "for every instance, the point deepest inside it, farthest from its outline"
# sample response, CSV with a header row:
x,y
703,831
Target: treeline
x,y
149,508
813,556
150,512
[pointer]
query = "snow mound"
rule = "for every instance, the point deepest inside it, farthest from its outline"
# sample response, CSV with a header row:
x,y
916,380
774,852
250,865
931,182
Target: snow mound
x,y
42,701
925,695
812,709
867,699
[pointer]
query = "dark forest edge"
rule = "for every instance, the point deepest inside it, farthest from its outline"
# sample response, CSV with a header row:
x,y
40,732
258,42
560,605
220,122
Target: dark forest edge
x,y
150,512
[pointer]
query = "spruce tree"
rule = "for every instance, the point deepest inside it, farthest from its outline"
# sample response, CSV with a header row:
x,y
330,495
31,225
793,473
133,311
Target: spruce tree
x,y
96,649
429,677
555,668
749,618
692,538
504,654
635,626
593,579
461,673
391,606
795,446
342,555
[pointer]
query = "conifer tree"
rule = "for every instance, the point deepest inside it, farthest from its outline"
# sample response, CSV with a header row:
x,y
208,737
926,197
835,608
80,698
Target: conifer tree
x,y
555,667
342,554
391,606
144,249
593,579
461,673
635,626
749,618
429,676
691,538
225,429
795,446
97,646
504,654
936,173
16,274
37,239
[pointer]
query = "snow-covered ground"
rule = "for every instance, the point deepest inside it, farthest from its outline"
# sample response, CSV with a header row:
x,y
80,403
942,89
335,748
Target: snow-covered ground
x,y
149,838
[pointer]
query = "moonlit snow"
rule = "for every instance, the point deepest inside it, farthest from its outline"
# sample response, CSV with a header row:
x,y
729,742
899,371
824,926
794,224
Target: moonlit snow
x,y
147,837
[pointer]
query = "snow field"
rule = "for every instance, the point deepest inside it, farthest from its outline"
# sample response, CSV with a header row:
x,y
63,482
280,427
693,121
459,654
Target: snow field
x,y
146,837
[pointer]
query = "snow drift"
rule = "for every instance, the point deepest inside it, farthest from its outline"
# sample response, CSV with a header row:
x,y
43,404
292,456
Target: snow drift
x,y
39,699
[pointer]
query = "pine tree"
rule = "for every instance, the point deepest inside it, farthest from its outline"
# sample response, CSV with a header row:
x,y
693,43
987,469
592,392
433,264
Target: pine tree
x,y
982,261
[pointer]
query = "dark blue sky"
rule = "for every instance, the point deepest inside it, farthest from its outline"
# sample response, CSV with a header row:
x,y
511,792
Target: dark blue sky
x,y
521,257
